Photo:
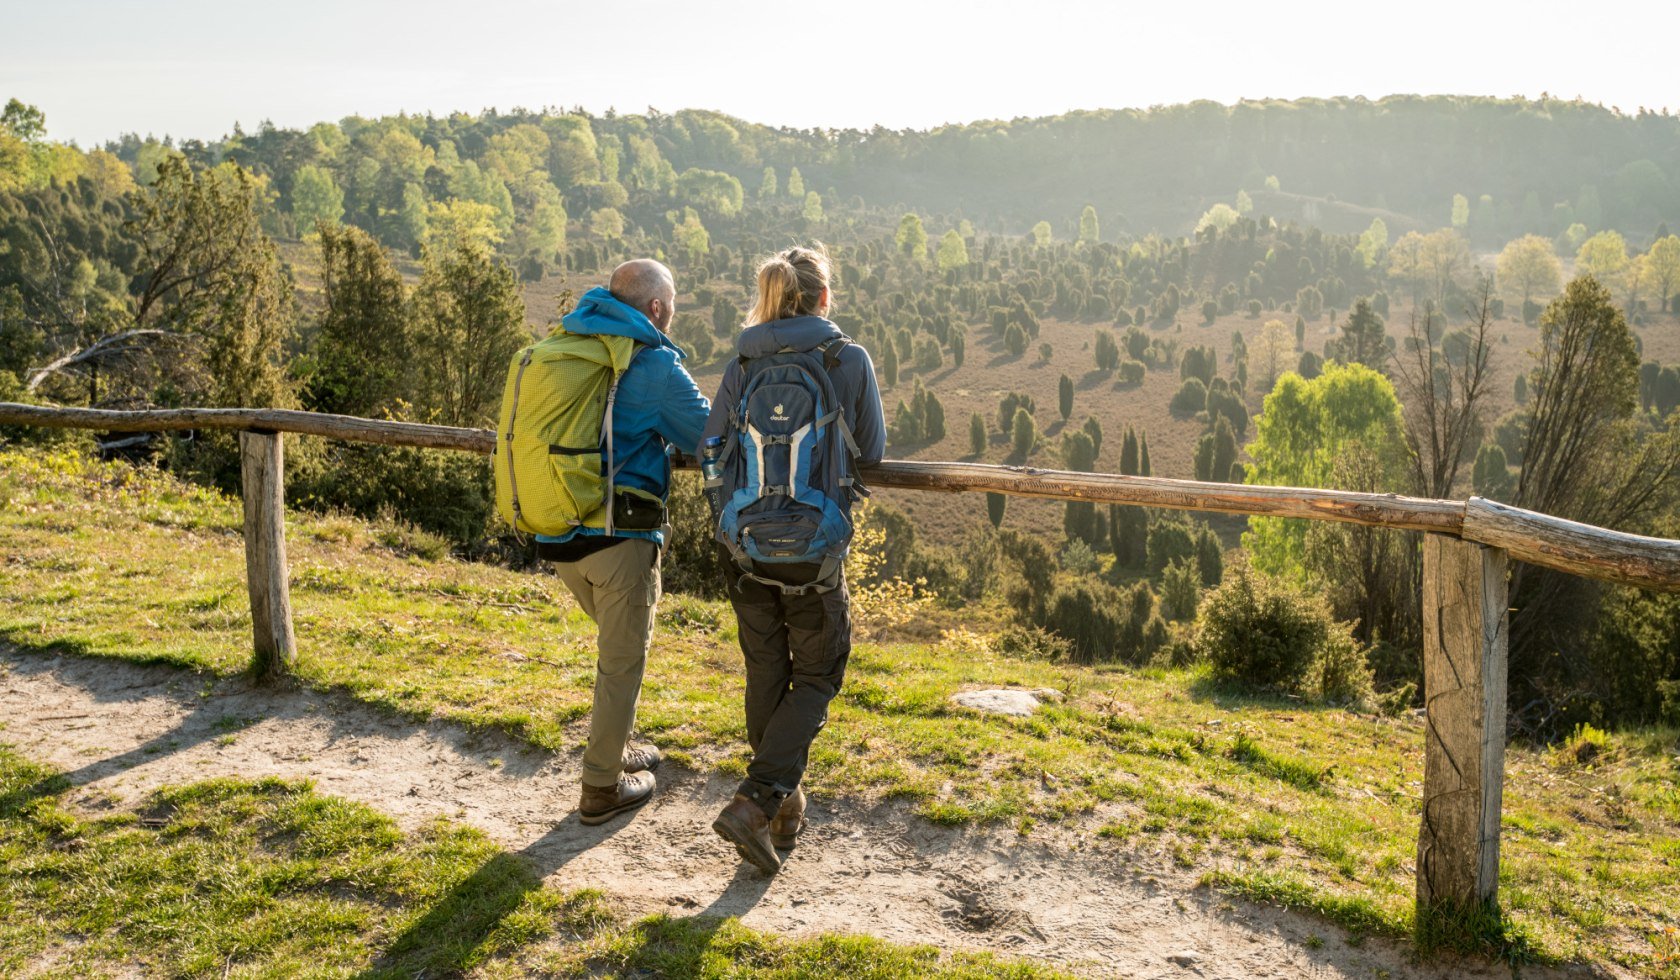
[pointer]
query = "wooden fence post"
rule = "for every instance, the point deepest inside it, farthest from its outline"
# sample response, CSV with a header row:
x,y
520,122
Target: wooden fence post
x,y
1464,663
262,468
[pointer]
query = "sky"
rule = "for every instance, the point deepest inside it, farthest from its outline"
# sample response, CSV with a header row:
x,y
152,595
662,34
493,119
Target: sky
x,y
192,68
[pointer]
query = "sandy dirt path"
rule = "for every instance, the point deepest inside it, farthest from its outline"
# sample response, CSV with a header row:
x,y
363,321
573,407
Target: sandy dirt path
x,y
121,730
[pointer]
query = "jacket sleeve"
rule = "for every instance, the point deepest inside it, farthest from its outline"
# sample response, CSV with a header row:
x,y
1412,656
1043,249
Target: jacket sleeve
x,y
869,418
682,411
729,392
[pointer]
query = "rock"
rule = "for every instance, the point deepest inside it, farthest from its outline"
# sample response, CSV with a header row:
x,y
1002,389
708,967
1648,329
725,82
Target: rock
x,y
1185,959
1018,704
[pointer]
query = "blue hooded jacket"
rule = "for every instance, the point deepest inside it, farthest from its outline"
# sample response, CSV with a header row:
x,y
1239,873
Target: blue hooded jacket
x,y
658,402
853,379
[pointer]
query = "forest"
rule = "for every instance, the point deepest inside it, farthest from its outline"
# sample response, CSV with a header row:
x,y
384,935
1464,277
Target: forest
x,y
1433,296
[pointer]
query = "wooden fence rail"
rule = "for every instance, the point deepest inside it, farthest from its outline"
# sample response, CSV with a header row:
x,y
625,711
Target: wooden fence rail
x,y
1467,546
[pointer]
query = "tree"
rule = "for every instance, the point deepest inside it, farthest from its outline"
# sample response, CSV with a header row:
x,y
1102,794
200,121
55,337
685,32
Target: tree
x,y
690,236
1529,271
1107,351
958,339
977,435
210,276
1460,212
1245,204
953,252
1275,353
1444,397
1303,428
1604,257
362,355
1662,267
1064,397
1491,475
1219,217
1088,229
1216,451
1041,234
1080,518
928,357
606,224
995,504
767,186
1372,242
1023,433
911,238
711,191
1363,339
315,199
1587,457
1015,340
795,185
813,212
469,321
889,365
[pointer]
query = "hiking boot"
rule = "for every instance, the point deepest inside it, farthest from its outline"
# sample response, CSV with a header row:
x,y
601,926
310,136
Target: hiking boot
x,y
788,821
601,803
641,758
744,824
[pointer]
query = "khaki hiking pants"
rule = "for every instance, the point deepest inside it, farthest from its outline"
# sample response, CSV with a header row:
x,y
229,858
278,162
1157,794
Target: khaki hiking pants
x,y
618,587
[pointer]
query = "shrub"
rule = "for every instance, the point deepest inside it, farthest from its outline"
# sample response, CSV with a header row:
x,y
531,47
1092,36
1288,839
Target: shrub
x,y
1090,616
1131,372
1168,541
441,492
1181,589
1190,398
1341,673
1260,631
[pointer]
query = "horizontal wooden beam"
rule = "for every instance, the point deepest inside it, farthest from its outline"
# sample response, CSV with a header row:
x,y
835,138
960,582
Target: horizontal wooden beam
x,y
1538,539
347,427
1541,539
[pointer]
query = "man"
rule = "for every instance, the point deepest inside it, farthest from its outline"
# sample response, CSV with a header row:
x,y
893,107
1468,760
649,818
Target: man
x,y
616,577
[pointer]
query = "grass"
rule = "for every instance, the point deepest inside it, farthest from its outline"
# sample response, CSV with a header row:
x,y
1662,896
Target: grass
x,y
1283,801
268,878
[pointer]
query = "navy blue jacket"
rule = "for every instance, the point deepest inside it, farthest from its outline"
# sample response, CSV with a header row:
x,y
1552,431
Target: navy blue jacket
x,y
853,379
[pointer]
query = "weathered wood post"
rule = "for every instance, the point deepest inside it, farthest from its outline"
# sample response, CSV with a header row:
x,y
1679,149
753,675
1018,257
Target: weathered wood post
x,y
262,469
1464,662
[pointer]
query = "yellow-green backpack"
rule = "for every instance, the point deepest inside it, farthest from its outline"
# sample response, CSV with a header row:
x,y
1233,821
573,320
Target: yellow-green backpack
x,y
554,460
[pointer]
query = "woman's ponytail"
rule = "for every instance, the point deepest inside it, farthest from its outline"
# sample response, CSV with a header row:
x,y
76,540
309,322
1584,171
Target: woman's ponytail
x,y
791,283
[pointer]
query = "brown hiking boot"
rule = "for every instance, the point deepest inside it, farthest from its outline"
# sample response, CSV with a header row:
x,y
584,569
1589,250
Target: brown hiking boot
x,y
788,821
601,803
744,824
641,758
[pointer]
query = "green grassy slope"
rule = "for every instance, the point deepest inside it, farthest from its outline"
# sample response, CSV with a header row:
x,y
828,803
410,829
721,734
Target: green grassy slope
x,y
1306,804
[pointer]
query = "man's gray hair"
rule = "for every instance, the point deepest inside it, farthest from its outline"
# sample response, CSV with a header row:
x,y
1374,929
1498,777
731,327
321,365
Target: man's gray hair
x,y
641,281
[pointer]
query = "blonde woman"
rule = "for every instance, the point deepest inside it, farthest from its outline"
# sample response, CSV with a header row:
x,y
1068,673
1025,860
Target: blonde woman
x,y
797,414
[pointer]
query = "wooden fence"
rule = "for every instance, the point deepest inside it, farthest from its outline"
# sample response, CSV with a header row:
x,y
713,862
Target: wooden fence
x,y
1466,552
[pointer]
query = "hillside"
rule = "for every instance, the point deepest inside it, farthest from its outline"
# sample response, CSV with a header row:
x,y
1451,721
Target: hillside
x,y
1267,799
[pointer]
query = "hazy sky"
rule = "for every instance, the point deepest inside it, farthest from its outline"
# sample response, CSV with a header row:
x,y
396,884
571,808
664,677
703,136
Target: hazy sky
x,y
192,68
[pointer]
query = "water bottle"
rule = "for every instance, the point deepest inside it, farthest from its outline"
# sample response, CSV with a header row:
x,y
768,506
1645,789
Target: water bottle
x,y
711,471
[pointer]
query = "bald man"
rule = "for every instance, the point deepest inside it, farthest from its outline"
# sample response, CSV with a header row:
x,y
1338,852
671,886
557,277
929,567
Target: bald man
x,y
616,577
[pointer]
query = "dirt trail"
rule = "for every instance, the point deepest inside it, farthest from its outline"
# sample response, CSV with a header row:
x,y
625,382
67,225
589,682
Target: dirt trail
x,y
121,730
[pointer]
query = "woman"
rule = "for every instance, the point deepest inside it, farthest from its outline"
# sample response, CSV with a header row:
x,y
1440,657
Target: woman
x,y
776,412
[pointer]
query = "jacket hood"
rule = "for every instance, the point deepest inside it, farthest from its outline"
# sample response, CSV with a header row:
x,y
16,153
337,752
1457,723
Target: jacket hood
x,y
599,312
800,333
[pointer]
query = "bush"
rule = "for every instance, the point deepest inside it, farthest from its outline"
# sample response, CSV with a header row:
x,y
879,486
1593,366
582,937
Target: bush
x,y
692,565
1089,616
1259,631
1131,372
1181,589
441,492
1190,398
1169,541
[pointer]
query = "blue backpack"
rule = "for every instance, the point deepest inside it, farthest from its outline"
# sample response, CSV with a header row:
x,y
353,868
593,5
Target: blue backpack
x,y
787,469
